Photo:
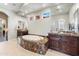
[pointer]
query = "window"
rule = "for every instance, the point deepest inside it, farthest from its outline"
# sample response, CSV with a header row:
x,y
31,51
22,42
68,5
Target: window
x,y
61,23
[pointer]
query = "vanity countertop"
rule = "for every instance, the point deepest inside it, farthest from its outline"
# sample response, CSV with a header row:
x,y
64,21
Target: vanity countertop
x,y
67,34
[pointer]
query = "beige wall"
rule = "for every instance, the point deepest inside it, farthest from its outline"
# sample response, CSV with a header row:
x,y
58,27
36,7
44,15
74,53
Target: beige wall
x,y
44,26
36,27
41,26
12,22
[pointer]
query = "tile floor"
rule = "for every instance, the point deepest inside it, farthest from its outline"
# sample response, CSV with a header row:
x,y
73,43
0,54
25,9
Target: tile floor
x,y
11,48
2,38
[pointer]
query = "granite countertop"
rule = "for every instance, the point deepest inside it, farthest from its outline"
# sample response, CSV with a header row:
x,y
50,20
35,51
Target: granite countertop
x,y
67,34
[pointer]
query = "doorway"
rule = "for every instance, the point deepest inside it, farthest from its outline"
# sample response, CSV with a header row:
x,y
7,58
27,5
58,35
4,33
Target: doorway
x,y
3,27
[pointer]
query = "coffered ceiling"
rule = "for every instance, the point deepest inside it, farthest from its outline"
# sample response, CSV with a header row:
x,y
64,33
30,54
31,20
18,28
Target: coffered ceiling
x,y
25,8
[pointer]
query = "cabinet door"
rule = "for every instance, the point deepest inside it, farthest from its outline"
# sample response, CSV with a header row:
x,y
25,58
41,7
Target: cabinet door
x,y
65,47
49,41
55,43
72,43
69,45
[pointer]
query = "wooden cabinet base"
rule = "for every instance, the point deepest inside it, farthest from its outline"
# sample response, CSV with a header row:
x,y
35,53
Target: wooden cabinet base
x,y
64,43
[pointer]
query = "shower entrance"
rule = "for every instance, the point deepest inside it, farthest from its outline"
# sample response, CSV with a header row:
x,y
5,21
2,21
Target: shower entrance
x,y
3,27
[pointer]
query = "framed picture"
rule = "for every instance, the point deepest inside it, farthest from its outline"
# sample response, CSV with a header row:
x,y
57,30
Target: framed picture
x,y
46,15
31,18
37,17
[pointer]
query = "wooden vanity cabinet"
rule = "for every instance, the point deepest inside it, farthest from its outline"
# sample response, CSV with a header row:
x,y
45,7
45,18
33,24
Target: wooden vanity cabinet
x,y
54,42
21,32
64,43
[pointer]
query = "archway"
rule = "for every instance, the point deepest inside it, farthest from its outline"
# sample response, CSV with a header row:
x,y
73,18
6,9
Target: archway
x,y
3,26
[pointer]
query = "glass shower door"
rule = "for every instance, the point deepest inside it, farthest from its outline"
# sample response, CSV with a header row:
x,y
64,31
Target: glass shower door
x,y
1,31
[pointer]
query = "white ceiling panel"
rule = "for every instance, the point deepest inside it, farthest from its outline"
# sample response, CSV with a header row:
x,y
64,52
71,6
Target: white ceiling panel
x,y
24,8
11,6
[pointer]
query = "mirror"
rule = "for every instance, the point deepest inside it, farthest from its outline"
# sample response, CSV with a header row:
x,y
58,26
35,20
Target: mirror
x,y
76,18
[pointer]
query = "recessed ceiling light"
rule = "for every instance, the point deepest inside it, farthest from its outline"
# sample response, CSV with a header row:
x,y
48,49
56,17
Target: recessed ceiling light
x,y
59,7
5,3
25,4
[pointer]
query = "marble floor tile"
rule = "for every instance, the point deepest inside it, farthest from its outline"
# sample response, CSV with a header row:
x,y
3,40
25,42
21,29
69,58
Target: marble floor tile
x,y
11,48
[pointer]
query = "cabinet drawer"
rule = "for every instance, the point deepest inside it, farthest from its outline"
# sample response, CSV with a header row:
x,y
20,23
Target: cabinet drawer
x,y
68,38
55,45
70,43
69,48
73,51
